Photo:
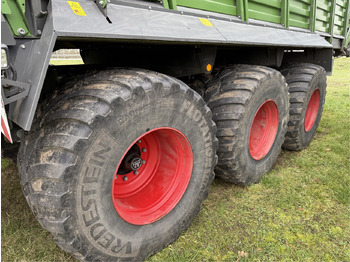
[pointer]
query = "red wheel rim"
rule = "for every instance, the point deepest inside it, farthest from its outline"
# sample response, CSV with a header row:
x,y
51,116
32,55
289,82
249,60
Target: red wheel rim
x,y
263,130
152,176
312,110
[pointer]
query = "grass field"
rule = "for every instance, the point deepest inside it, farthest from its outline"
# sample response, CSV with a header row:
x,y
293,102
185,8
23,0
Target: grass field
x,y
299,211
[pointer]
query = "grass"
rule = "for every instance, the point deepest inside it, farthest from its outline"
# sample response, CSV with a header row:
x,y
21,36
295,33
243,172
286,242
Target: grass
x,y
67,62
22,237
299,211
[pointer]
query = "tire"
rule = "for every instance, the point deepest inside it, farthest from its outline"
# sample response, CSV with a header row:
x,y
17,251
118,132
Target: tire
x,y
75,162
238,98
307,87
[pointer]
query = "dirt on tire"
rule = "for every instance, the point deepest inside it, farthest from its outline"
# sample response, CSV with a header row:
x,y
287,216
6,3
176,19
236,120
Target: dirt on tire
x,y
68,161
235,97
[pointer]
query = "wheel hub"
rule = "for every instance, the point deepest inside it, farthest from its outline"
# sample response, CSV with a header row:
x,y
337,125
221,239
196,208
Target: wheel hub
x,y
131,161
263,130
136,163
152,176
312,110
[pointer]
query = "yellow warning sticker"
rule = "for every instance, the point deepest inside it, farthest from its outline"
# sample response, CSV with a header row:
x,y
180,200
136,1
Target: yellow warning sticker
x,y
205,22
77,9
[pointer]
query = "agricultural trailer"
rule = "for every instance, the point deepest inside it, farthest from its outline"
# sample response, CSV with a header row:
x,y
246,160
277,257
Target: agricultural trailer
x,y
117,155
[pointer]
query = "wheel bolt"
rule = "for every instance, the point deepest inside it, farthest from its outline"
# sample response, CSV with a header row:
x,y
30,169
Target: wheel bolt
x,y
139,141
144,150
143,162
136,172
125,178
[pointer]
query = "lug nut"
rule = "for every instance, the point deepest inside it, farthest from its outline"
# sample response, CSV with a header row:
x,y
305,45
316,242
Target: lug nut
x,y
144,150
139,141
125,178
143,162
136,172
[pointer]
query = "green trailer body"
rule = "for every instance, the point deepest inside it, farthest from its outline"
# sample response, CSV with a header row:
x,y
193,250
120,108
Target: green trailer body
x,y
117,154
328,18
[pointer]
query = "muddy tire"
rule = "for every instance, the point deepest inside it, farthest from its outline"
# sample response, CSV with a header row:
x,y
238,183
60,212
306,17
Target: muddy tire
x,y
307,87
250,108
118,163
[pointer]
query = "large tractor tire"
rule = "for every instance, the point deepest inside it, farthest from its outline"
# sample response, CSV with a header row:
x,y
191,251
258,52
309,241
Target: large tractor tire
x,y
118,163
307,87
250,107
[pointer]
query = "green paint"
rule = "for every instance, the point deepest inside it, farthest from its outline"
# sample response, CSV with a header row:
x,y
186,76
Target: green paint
x,y
264,13
312,15
5,8
299,13
347,39
21,5
331,25
170,4
14,12
166,4
242,9
323,22
285,13
218,6
346,30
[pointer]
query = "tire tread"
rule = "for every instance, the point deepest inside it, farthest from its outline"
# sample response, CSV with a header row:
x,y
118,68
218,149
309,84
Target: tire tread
x,y
227,96
298,77
43,157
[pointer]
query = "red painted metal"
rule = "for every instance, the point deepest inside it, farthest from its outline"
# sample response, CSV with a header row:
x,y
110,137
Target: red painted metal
x,y
312,110
263,130
146,195
5,129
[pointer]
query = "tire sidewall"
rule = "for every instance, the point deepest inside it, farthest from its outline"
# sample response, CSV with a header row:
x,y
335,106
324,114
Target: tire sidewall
x,y
94,212
274,90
